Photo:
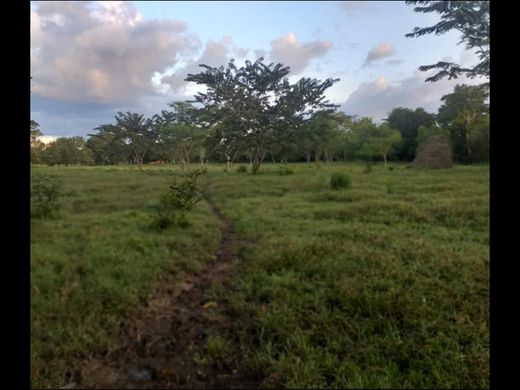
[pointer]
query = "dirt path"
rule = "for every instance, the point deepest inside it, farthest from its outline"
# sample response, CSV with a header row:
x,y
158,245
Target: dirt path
x,y
159,348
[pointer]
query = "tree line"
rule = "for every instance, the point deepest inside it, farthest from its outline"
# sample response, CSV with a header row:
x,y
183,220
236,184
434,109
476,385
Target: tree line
x,y
247,121
252,113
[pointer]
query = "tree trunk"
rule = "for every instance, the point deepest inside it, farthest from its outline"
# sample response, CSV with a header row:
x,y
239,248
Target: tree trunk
x,y
384,157
308,155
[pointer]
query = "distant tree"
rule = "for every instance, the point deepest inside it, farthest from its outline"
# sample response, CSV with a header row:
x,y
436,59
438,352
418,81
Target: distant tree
x,y
107,146
133,132
471,18
383,140
426,132
463,112
250,103
407,121
181,132
67,151
37,145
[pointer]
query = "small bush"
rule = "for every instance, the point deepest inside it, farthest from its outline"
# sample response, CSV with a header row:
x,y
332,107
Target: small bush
x,y
242,169
390,188
339,181
390,168
182,196
283,170
45,195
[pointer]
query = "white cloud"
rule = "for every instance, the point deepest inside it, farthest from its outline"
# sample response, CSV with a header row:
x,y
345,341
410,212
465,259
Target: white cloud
x,y
377,98
385,49
297,55
101,52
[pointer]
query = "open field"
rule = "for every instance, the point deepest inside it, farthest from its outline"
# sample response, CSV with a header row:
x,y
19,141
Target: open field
x,y
381,285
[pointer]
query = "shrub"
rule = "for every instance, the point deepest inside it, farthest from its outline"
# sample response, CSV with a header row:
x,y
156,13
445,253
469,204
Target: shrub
x,y
390,188
182,196
390,168
339,181
45,195
242,169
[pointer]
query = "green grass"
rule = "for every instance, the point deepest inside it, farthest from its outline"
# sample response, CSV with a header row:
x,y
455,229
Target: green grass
x,y
382,285
98,259
365,287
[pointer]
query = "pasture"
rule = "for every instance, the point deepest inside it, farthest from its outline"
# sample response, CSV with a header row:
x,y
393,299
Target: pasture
x,y
384,284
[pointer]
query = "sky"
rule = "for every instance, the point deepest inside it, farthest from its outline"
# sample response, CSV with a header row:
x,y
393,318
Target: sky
x,y
90,60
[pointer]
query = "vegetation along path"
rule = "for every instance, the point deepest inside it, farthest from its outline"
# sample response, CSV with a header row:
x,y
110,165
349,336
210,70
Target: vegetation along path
x,y
163,346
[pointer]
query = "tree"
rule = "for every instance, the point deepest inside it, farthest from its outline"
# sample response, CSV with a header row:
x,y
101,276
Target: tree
x,y
384,140
133,132
107,147
181,132
67,151
407,121
471,18
250,104
460,113
37,145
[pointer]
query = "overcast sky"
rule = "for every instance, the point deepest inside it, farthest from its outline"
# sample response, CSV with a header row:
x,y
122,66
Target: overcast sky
x,y
92,59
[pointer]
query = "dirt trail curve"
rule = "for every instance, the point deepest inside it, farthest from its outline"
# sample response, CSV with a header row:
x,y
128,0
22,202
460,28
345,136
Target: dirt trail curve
x,y
159,348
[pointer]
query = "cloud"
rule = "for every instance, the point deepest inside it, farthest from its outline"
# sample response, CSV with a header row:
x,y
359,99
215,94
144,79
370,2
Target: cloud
x,y
385,49
297,55
216,53
101,52
377,98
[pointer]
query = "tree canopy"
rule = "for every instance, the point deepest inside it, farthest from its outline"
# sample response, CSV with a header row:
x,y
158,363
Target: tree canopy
x,y
250,105
471,18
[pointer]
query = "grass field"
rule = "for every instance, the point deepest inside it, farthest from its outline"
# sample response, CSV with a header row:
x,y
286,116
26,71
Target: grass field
x,y
381,285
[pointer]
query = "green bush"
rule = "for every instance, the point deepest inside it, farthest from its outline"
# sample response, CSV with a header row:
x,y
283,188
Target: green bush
x,y
339,181
182,196
242,169
45,195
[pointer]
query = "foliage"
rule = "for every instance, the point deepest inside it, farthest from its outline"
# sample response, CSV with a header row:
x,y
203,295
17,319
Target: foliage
x,y
465,113
408,121
241,169
250,106
182,196
339,181
46,193
133,133
471,19
67,151
181,132
37,146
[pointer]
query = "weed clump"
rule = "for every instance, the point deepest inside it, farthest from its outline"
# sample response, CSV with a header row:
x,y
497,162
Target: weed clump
x,y
241,169
45,195
339,181
173,205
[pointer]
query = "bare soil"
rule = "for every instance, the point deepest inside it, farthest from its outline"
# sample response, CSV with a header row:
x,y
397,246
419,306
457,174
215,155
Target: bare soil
x,y
160,346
